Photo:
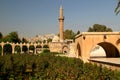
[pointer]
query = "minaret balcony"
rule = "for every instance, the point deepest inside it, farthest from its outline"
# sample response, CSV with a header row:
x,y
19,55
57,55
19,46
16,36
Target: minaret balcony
x,y
61,18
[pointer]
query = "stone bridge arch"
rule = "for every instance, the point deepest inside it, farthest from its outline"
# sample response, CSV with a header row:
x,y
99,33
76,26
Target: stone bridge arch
x,y
110,50
109,41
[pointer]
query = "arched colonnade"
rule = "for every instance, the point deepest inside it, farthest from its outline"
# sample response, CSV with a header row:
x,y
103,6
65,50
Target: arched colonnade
x,y
13,45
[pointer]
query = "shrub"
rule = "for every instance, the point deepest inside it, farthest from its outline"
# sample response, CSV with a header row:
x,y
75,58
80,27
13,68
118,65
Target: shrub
x,y
27,67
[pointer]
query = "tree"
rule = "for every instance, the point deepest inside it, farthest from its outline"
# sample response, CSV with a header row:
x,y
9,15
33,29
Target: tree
x,y
69,34
78,32
14,37
24,40
49,40
7,49
1,35
117,9
99,28
6,39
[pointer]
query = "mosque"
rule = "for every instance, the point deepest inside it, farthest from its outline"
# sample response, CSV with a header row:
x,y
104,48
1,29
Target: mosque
x,y
58,44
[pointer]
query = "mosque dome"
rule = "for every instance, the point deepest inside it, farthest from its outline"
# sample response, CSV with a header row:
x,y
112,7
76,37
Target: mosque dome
x,y
55,39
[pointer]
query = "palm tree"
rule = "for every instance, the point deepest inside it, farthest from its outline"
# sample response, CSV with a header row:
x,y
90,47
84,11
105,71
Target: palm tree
x,y
117,9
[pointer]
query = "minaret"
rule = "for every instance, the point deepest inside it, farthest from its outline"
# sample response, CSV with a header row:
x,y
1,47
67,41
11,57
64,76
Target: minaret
x,y
61,23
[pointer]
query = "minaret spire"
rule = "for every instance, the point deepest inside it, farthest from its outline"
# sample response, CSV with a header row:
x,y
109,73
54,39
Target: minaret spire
x,y
60,2
61,22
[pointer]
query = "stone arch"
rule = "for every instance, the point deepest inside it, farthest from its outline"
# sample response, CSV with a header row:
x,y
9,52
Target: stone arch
x,y
31,49
97,52
24,49
45,46
7,49
17,49
78,50
65,49
110,49
38,48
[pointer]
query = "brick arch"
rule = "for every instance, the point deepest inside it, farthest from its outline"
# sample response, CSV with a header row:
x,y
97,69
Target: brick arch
x,y
110,49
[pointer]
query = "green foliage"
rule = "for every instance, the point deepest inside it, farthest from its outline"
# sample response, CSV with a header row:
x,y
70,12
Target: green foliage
x,y
1,36
78,32
0,50
46,51
7,49
117,9
6,39
99,28
51,67
24,49
24,40
11,37
14,37
49,40
32,48
17,49
69,34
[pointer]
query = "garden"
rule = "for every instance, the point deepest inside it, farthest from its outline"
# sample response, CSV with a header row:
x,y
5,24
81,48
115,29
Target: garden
x,y
47,66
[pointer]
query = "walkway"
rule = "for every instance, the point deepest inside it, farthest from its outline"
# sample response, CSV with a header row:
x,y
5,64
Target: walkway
x,y
113,63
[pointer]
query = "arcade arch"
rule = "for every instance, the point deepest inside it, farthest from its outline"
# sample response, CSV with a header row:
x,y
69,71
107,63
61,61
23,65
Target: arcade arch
x,y
7,49
24,49
39,48
31,49
17,49
46,46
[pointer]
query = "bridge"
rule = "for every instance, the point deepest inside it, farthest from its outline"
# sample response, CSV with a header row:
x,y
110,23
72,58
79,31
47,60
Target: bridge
x,y
87,41
13,45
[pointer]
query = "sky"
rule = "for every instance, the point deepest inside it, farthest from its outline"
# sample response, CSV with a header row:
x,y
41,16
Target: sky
x,y
33,17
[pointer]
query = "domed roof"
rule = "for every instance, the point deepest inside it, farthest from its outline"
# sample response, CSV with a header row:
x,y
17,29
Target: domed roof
x,y
55,39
